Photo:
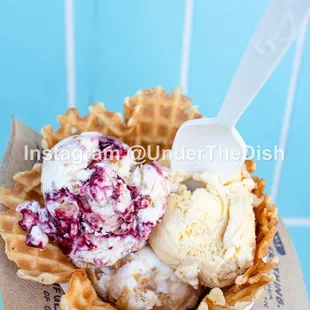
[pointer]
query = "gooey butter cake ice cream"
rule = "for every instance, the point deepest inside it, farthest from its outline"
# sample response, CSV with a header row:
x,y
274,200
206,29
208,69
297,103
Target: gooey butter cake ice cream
x,y
208,235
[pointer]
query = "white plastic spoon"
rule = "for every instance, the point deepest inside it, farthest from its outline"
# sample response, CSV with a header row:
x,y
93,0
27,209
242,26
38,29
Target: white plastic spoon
x,y
214,144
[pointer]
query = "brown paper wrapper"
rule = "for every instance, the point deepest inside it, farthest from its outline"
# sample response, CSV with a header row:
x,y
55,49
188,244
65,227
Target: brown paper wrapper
x,y
287,292
18,294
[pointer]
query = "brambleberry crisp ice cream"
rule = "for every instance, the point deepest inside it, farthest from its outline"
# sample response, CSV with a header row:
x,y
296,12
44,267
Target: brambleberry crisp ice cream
x,y
99,205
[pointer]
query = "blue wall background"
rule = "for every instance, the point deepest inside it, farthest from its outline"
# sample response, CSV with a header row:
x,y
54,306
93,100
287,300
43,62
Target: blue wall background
x,y
124,46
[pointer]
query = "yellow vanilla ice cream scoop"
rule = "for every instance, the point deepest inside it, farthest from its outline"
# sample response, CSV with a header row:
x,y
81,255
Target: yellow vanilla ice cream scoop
x,y
208,235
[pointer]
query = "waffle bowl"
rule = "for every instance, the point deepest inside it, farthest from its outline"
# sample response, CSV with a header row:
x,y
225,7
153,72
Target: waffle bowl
x,y
151,118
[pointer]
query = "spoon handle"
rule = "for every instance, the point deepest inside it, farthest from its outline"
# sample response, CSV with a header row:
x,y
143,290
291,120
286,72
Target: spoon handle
x,y
274,35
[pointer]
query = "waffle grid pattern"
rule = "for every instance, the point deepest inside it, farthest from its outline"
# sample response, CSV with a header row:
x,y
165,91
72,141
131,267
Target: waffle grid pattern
x,y
81,295
152,118
48,266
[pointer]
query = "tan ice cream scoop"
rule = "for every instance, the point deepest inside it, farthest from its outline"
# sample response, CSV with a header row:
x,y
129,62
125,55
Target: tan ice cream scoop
x,y
208,236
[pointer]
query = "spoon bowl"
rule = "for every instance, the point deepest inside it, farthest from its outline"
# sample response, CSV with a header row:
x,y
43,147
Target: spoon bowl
x,y
205,145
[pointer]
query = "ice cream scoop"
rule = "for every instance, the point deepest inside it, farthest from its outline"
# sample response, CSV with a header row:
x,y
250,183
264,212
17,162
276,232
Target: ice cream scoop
x,y
141,281
214,144
208,235
99,205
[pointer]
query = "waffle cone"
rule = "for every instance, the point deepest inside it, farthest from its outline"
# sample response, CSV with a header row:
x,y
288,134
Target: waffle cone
x,y
47,266
151,118
81,295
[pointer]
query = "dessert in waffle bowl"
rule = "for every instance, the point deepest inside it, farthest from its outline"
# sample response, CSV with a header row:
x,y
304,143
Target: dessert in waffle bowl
x,y
88,223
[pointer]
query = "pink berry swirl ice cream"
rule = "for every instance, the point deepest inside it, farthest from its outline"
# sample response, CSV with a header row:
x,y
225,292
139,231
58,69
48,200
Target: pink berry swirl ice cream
x,y
99,205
